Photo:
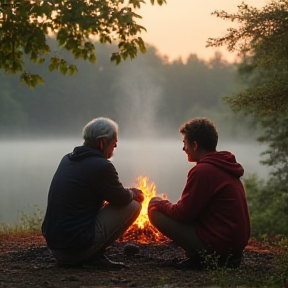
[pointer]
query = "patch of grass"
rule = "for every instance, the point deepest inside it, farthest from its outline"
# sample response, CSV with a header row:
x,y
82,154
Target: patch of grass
x,y
256,276
163,282
273,273
218,275
28,223
281,263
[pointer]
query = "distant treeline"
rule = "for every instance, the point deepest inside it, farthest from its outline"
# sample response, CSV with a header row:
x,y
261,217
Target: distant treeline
x,y
146,96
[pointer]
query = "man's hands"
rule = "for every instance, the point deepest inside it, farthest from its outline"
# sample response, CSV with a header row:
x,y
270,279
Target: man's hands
x,y
137,195
154,202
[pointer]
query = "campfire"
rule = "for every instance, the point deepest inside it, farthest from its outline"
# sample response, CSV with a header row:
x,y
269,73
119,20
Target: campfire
x,y
142,231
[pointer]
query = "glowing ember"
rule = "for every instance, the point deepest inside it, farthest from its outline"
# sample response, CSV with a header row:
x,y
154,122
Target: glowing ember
x,y
142,231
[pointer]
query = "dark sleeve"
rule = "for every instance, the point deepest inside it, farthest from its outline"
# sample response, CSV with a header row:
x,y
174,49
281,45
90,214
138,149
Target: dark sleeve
x,y
111,189
195,197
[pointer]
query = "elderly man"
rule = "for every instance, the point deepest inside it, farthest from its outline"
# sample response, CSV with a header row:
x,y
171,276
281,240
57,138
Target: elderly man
x,y
211,216
88,207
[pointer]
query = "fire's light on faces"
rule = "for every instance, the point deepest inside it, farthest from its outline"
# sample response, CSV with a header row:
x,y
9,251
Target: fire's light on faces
x,y
142,230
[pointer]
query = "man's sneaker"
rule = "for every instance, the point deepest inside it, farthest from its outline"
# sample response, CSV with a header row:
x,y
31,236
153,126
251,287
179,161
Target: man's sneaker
x,y
191,263
104,263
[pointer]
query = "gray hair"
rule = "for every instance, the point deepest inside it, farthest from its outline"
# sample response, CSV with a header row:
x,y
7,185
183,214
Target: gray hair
x,y
99,128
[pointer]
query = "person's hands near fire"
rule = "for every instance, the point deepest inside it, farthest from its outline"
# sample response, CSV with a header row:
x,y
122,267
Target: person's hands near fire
x,y
137,195
154,202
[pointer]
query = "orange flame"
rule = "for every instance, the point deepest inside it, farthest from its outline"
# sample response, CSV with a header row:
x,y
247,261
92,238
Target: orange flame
x,y
142,230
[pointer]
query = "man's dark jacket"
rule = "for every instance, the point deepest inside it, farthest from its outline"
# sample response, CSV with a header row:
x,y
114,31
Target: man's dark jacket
x,y
81,184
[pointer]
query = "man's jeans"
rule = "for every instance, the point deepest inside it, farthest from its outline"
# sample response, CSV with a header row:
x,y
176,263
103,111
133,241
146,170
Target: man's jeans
x,y
182,234
111,222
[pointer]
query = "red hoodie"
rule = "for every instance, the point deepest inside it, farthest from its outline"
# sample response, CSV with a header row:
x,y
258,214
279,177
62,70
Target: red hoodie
x,y
214,200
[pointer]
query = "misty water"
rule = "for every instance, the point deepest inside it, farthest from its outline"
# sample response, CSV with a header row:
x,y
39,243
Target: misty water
x,y
27,168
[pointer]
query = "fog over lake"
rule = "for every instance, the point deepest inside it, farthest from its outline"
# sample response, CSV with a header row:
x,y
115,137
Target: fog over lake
x,y
27,168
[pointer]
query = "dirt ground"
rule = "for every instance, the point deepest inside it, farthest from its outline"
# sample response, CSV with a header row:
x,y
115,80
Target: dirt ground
x,y
25,261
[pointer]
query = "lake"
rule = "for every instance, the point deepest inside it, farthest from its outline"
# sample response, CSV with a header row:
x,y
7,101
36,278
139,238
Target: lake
x,y
27,168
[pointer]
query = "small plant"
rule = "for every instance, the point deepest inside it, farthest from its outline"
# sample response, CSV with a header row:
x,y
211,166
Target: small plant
x,y
27,223
282,263
218,274
163,282
32,222
266,205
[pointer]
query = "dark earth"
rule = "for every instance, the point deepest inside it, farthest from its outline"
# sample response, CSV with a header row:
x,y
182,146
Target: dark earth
x,y
25,261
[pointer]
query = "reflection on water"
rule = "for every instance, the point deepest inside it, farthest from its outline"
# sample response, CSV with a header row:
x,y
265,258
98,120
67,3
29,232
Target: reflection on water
x,y
27,168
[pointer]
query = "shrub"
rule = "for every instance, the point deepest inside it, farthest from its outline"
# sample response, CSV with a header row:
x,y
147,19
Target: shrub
x,y
268,207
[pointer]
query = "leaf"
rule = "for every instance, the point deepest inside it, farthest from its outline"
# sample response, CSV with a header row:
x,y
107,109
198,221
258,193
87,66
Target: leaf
x,y
136,3
137,15
72,69
63,69
52,67
41,60
90,46
160,2
40,80
139,27
62,36
102,38
31,80
73,22
92,58
125,54
141,45
116,57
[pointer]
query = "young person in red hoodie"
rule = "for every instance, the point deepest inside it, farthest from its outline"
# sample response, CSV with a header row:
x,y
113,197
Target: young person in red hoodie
x,y
212,214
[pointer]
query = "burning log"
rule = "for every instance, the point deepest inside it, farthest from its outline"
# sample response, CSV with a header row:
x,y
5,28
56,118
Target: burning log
x,y
142,231
145,235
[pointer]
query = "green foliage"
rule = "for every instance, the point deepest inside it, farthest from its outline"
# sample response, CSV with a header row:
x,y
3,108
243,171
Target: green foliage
x,y
262,42
25,25
275,133
268,207
163,282
282,263
31,80
28,222
124,93
32,222
189,82
248,275
218,275
230,126
244,276
160,2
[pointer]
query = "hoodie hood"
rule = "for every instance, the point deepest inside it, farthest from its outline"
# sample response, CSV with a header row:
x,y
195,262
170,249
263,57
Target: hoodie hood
x,y
225,161
82,152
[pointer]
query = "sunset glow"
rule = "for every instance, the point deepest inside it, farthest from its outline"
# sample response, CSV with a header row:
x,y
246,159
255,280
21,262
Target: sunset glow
x,y
181,28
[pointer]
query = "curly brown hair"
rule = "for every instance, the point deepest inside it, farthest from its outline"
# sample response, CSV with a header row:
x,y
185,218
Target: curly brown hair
x,y
201,130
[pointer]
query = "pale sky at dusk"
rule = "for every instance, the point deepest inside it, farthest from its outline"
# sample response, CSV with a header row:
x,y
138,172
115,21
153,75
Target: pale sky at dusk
x,y
182,27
